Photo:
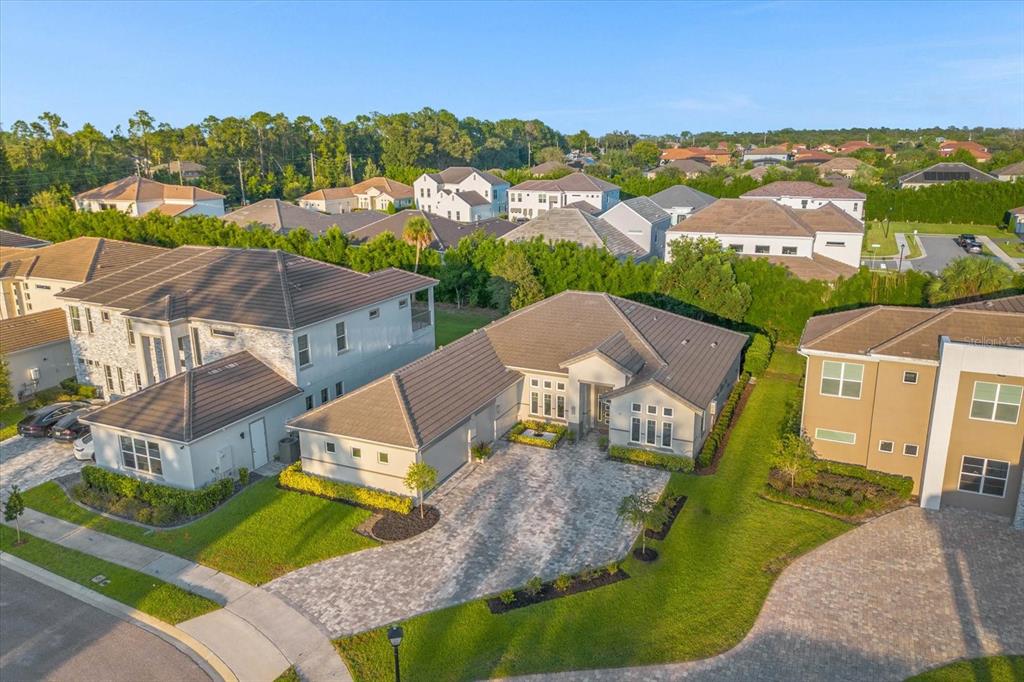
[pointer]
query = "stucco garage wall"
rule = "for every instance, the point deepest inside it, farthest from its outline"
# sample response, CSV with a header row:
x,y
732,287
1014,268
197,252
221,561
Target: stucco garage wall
x,y
53,360
366,470
683,419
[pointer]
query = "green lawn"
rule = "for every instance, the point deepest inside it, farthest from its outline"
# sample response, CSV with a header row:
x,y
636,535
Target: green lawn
x,y
167,602
451,323
875,234
700,598
991,669
258,535
9,419
1013,246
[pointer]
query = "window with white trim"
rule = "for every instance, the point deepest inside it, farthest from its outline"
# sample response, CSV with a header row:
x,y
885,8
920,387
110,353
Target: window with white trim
x,y
534,403
120,381
984,476
841,379
309,402
324,397
141,455
88,320
129,331
374,313
104,316
844,437
382,457
357,453
910,449
547,404
108,376
305,357
886,446
225,333
76,320
996,402
635,407
535,382
560,406
329,447
340,337
666,412
403,303
652,409
910,377
651,432
634,430
339,389
560,386
666,434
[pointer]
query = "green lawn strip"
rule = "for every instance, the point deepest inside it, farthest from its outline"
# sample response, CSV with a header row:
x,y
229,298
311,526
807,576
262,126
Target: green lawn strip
x,y
990,669
9,418
167,602
875,234
1013,247
451,324
289,675
700,598
261,533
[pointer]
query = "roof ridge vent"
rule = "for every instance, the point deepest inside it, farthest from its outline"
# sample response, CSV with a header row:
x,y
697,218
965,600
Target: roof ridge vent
x,y
714,344
684,342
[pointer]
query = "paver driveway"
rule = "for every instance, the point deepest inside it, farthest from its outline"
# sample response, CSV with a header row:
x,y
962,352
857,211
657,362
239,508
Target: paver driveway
x,y
525,512
910,591
27,462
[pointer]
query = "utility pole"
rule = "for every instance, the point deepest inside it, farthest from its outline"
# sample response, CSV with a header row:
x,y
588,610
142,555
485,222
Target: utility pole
x,y
351,175
529,153
181,178
312,167
241,182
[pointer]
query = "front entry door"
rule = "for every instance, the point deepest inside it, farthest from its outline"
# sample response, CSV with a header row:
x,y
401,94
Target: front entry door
x,y
258,442
585,423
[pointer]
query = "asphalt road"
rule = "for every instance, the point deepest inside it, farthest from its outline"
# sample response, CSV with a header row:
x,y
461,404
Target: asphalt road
x,y
47,635
941,250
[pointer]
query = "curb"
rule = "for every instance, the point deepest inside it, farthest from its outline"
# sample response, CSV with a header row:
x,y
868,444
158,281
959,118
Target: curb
x,y
210,663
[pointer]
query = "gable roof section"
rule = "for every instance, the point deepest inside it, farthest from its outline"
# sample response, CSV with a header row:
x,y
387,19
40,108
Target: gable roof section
x,y
258,287
36,329
1012,169
76,260
281,216
920,176
548,167
768,218
574,182
329,194
682,195
17,240
616,349
800,188
574,225
198,402
643,207
447,233
393,188
456,174
829,218
841,163
136,188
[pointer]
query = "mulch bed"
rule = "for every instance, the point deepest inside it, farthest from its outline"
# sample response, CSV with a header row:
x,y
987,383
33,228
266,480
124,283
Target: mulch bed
x,y
673,512
392,526
648,555
740,406
548,591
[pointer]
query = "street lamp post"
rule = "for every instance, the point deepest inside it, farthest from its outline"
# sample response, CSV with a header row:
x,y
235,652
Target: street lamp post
x,y
395,634
902,246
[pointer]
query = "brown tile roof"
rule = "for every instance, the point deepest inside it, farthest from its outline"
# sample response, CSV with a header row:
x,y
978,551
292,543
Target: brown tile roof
x,y
742,216
841,163
29,331
10,239
427,398
684,166
393,188
615,348
172,209
574,182
830,218
329,194
457,174
812,156
800,188
135,188
76,260
574,225
198,402
816,267
759,172
259,287
1012,169
764,151
447,233
909,332
1006,304
281,216
548,167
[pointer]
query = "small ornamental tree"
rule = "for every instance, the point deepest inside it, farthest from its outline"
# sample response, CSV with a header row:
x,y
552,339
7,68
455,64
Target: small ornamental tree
x,y
642,510
14,507
419,478
794,457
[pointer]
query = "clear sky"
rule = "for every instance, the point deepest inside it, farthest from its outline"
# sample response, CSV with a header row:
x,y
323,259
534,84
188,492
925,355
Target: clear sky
x,y
645,67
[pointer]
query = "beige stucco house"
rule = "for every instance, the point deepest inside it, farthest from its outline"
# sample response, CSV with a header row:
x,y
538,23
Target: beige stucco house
x,y
644,377
37,351
933,394
137,196
372,194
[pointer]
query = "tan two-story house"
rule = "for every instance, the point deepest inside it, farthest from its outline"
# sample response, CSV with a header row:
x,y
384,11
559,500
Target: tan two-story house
x,y
933,394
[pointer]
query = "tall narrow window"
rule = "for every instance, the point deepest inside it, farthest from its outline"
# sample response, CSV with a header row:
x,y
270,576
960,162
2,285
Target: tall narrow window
x,y
666,434
76,321
534,403
634,430
652,431
129,331
120,381
547,404
108,375
340,337
197,353
560,407
324,397
339,389
88,320
304,356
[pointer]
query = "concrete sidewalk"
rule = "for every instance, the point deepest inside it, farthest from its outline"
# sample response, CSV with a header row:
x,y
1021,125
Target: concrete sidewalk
x,y
999,253
256,634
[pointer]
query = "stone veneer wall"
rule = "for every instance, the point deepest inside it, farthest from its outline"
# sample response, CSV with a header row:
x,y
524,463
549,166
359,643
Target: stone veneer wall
x,y
107,345
273,346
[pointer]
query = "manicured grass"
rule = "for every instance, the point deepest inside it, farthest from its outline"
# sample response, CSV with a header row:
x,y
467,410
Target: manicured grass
x,y
451,324
258,535
167,602
9,419
875,234
699,598
1013,246
991,669
289,675
948,228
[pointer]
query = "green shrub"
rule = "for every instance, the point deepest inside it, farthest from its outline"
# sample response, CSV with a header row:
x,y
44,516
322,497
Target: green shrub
x,y
507,597
651,458
901,485
515,435
481,450
533,586
70,385
602,442
294,478
758,355
612,568
87,392
243,476
181,503
717,435
563,582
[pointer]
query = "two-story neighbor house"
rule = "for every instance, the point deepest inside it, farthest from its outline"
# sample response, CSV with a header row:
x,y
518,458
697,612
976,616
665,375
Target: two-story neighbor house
x,y
822,243
136,196
30,278
803,195
642,221
642,376
531,198
282,217
576,225
320,328
767,156
679,201
933,394
462,193
373,194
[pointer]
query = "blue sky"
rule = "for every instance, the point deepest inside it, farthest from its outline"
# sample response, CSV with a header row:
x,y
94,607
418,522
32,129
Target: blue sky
x,y
649,68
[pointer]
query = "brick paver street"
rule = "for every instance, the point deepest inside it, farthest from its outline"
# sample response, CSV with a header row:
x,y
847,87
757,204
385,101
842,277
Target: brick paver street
x,y
526,511
908,592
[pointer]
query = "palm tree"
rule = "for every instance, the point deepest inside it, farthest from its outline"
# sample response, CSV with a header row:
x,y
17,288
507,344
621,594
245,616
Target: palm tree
x,y
417,233
967,277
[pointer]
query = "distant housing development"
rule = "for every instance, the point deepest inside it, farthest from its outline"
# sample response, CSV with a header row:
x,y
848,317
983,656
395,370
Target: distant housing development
x,y
137,196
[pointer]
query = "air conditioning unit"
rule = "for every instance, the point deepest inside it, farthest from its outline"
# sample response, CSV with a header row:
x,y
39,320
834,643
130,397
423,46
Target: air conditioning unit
x,y
34,374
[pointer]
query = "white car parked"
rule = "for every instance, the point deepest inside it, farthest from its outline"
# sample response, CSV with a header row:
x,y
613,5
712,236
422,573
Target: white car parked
x,y
85,449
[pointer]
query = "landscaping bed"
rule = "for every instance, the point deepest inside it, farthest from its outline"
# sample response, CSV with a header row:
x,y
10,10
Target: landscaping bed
x,y
295,479
651,458
847,491
715,445
536,591
391,526
538,434
674,504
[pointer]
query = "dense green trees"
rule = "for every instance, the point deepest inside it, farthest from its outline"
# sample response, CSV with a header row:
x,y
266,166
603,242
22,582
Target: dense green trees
x,y
955,202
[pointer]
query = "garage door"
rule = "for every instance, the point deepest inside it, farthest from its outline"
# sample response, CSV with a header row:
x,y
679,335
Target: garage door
x,y
450,453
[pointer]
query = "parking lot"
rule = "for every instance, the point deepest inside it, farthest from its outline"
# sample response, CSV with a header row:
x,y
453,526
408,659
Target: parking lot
x,y
940,250
27,462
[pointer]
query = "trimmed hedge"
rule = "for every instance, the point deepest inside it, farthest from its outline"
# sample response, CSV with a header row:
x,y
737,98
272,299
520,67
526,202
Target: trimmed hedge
x,y
650,458
707,453
758,355
901,485
294,478
515,435
176,501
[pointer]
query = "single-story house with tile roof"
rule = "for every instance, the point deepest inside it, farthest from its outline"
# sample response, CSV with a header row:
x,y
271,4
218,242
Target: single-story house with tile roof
x,y
282,217
811,157
643,221
531,198
758,172
846,166
979,152
1011,173
575,225
16,240
445,233
805,195
822,243
138,196
641,376
680,201
548,167
688,168
197,426
31,278
377,193
37,351
941,173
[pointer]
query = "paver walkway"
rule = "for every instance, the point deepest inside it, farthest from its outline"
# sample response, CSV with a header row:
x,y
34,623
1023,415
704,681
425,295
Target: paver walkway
x,y
524,512
27,462
256,634
910,591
